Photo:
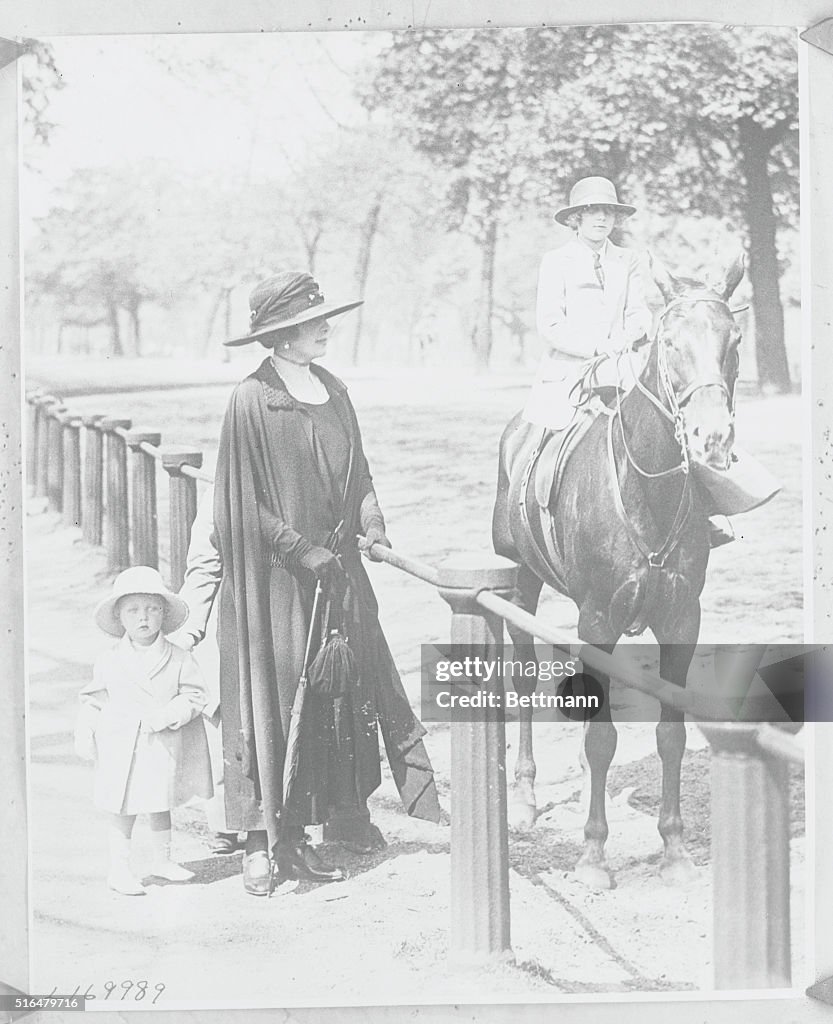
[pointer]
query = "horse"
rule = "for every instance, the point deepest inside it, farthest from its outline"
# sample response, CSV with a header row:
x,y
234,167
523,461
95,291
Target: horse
x,y
625,535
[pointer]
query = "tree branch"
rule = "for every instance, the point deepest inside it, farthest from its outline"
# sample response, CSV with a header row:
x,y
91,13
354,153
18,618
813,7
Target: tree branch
x,y
317,96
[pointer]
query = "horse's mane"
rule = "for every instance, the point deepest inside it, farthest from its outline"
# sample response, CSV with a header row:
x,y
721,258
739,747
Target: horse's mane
x,y
692,283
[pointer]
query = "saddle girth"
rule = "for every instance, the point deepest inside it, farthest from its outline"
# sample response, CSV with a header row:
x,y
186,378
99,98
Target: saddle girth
x,y
533,492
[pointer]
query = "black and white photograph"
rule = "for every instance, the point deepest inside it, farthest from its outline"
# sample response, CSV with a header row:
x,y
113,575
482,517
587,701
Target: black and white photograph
x,y
350,344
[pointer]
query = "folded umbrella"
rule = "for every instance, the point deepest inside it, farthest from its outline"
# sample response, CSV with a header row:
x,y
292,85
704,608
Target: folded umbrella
x,y
293,739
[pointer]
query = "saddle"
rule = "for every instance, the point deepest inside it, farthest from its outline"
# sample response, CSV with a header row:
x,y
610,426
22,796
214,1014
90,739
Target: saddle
x,y
554,449
536,468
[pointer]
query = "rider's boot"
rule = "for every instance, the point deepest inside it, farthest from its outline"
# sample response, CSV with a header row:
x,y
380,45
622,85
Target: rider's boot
x,y
720,531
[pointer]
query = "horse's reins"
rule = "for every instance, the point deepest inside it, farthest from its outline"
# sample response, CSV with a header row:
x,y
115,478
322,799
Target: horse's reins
x,y
673,413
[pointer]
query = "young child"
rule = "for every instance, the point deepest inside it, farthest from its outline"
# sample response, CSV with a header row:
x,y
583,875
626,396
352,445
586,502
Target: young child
x,y
140,722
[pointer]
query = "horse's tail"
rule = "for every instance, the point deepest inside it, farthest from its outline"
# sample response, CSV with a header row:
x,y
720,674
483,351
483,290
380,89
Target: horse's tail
x,y
501,533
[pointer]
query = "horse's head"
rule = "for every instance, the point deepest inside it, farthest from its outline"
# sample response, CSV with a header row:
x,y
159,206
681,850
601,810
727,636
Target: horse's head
x,y
697,360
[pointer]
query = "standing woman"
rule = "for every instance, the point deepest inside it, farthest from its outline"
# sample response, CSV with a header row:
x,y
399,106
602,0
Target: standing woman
x,y
590,302
292,492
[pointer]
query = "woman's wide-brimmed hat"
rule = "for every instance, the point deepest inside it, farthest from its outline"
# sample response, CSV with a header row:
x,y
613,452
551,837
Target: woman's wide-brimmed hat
x,y
286,300
593,192
140,579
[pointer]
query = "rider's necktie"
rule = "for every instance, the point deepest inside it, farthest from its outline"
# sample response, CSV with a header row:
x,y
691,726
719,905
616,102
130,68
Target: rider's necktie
x,y
597,266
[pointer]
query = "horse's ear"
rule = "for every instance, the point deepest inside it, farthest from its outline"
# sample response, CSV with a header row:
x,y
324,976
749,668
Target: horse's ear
x,y
664,279
731,278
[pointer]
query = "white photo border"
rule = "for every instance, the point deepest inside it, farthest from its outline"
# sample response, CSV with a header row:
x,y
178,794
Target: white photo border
x,y
42,18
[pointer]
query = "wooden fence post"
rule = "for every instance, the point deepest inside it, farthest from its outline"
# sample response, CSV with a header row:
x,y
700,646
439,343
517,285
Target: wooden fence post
x,y
33,418
55,468
42,469
750,860
183,504
480,916
117,519
144,522
92,518
71,428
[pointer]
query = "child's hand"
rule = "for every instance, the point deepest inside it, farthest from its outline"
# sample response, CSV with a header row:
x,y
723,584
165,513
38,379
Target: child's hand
x,y
187,641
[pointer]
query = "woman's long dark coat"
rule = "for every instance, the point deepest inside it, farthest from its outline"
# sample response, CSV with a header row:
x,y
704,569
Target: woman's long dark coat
x,y
272,487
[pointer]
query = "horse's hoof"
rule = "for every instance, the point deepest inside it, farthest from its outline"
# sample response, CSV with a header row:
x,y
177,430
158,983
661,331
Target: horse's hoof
x,y
594,876
678,871
522,816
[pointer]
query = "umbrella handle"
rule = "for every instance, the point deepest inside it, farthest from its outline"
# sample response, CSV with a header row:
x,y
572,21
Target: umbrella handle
x,y
311,629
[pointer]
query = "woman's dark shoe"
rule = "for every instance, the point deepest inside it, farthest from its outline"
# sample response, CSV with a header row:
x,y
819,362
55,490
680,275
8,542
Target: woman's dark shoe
x,y
257,873
225,842
358,834
297,859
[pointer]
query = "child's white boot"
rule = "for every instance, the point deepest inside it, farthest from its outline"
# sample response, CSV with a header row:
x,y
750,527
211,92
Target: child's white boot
x,y
162,866
120,878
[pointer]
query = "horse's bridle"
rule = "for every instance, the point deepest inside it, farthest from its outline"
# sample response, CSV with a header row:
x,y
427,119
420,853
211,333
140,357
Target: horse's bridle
x,y
673,412
677,401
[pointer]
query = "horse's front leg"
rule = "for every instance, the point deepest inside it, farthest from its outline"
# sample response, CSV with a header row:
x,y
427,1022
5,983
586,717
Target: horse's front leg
x,y
522,806
598,746
674,661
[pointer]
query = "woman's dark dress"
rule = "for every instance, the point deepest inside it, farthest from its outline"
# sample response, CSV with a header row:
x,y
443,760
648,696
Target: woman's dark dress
x,y
281,470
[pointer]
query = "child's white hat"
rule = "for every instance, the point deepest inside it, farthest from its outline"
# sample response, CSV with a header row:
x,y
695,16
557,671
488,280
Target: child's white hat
x,y
140,579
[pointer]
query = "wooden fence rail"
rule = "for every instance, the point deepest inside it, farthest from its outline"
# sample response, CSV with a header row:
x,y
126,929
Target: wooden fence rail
x,y
100,472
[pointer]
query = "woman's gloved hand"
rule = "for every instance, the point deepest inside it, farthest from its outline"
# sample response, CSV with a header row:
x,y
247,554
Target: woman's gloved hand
x,y
372,525
325,566
375,534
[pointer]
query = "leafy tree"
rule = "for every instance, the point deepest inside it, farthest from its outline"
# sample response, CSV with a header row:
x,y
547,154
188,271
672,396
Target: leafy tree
x,y
105,250
695,118
41,80
457,97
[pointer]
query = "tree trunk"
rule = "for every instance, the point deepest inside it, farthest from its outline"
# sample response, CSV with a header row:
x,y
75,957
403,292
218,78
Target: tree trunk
x,y
482,336
310,237
770,351
369,228
136,324
116,347
209,327
227,300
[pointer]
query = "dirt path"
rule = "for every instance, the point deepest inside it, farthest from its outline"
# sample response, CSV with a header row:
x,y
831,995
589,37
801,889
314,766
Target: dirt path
x,y
379,937
383,935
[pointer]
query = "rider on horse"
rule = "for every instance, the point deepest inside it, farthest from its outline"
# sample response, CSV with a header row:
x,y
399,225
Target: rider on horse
x,y
592,313
612,509
591,302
